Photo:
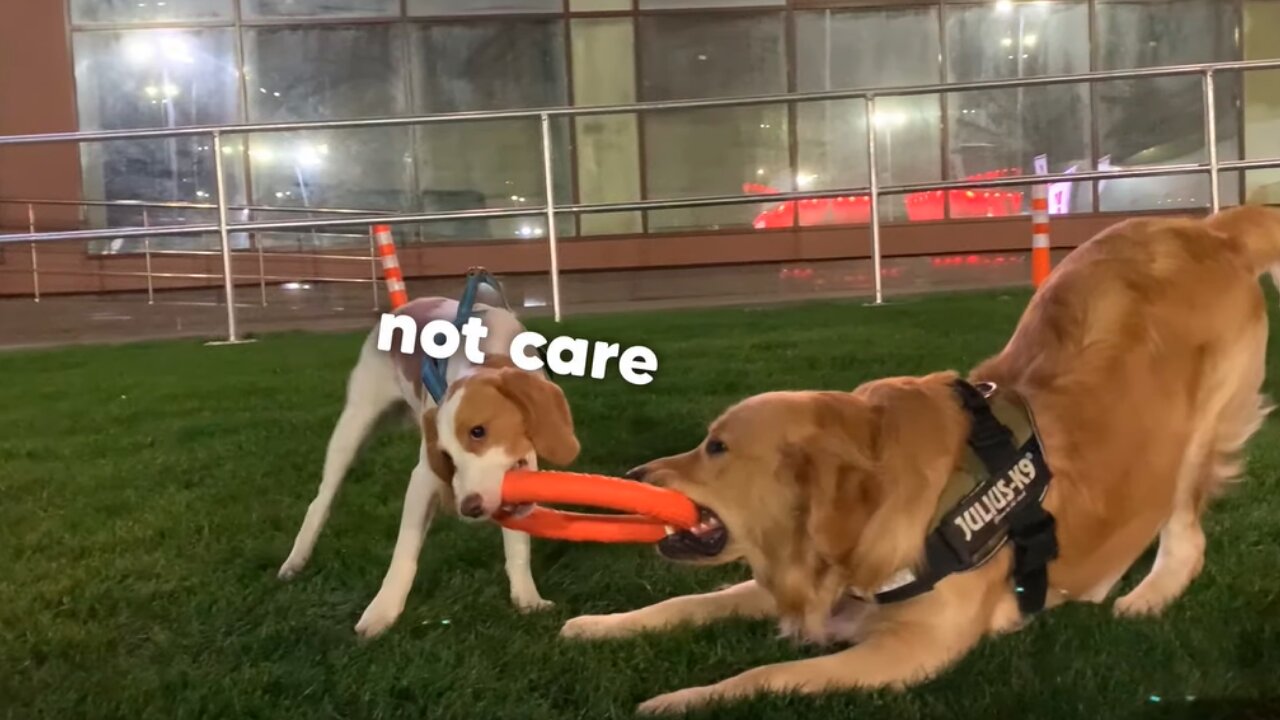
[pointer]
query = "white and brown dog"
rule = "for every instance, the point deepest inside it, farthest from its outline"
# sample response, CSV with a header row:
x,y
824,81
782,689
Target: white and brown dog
x,y
493,417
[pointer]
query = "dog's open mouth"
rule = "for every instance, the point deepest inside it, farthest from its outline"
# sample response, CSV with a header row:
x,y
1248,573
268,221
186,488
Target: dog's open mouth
x,y
705,540
514,510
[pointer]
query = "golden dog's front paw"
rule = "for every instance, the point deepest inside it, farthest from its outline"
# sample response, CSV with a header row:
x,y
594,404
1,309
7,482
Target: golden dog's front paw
x,y
1138,605
593,627
680,701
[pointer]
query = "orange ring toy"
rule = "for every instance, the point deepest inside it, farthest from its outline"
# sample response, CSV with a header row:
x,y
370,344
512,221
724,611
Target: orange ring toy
x,y
649,508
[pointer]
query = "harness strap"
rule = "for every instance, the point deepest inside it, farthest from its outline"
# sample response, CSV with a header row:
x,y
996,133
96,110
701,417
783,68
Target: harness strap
x,y
1032,530
434,370
990,440
1005,508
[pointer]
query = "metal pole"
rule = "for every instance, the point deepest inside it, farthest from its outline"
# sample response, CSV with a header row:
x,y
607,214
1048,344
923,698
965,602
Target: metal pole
x,y
219,171
373,270
875,197
1211,140
146,250
551,215
35,261
262,268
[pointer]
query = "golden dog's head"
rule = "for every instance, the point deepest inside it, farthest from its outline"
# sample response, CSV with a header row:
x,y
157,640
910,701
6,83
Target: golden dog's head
x,y
818,491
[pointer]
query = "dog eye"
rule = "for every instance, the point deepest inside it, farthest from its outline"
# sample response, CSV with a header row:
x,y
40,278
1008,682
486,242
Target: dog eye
x,y
477,432
716,447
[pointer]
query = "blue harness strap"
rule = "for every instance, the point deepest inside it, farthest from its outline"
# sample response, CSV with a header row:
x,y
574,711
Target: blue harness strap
x,y
433,370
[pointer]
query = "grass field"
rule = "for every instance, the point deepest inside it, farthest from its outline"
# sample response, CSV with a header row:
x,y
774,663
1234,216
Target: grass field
x,y
149,492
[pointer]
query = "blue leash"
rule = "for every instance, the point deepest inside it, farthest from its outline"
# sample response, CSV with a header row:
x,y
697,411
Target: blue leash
x,y
433,370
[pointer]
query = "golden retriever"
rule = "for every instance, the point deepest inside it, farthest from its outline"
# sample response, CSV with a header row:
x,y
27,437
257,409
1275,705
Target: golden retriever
x,y
1142,359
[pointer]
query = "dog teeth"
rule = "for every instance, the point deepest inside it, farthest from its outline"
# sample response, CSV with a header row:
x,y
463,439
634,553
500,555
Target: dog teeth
x,y
670,530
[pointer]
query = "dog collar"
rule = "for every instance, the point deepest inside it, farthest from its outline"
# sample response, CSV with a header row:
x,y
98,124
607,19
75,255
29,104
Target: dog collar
x,y
994,498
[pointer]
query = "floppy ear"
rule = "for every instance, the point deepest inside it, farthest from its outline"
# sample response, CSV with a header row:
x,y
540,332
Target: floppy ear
x,y
440,463
546,414
871,519
834,464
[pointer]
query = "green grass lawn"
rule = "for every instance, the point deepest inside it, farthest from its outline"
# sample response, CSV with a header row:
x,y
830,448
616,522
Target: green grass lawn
x,y
149,492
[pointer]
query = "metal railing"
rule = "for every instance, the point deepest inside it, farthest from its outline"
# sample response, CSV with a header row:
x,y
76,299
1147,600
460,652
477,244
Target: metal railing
x,y
148,253
224,228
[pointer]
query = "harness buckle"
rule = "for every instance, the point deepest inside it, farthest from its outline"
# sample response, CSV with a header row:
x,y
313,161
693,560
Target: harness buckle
x,y
1034,535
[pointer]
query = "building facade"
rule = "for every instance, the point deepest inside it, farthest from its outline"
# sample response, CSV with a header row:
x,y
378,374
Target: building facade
x,y
117,64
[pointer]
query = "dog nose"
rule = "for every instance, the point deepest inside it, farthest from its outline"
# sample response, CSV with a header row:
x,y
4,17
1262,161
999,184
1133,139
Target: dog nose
x,y
472,506
636,473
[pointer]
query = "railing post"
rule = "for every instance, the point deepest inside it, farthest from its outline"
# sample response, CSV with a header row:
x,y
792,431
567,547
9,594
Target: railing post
x,y
1211,140
228,280
35,261
262,268
549,173
146,250
875,198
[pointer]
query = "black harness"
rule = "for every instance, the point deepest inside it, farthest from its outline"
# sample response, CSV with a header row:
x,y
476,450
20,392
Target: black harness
x,y
1005,507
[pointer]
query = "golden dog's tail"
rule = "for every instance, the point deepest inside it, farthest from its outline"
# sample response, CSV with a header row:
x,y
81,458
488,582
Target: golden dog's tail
x,y
1259,228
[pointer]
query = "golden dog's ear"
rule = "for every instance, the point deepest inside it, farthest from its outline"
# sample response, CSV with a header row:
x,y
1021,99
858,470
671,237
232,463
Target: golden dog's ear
x,y
546,414
834,464
872,518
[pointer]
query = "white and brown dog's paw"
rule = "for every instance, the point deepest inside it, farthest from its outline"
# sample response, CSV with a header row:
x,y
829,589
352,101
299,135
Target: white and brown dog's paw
x,y
532,605
377,619
291,569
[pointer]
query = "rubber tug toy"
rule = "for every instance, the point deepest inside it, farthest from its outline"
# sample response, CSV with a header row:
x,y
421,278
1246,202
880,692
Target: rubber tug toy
x,y
650,513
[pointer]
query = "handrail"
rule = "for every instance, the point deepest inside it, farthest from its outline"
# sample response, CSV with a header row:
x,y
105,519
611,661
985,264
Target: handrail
x,y
185,205
586,110
224,228
639,205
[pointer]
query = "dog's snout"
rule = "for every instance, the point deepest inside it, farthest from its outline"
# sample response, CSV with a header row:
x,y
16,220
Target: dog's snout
x,y
637,473
472,506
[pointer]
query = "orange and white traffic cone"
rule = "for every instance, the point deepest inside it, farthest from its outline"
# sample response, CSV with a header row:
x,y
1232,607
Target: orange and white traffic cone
x,y
1041,264
390,266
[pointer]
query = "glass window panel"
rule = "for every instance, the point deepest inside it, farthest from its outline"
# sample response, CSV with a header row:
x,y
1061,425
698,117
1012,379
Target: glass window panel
x,y
155,79
367,168
844,49
328,72
483,65
1262,100
258,9
677,4
715,151
324,72
1160,121
989,42
997,133
608,170
489,65
833,154
598,5
693,56
608,157
91,12
482,7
